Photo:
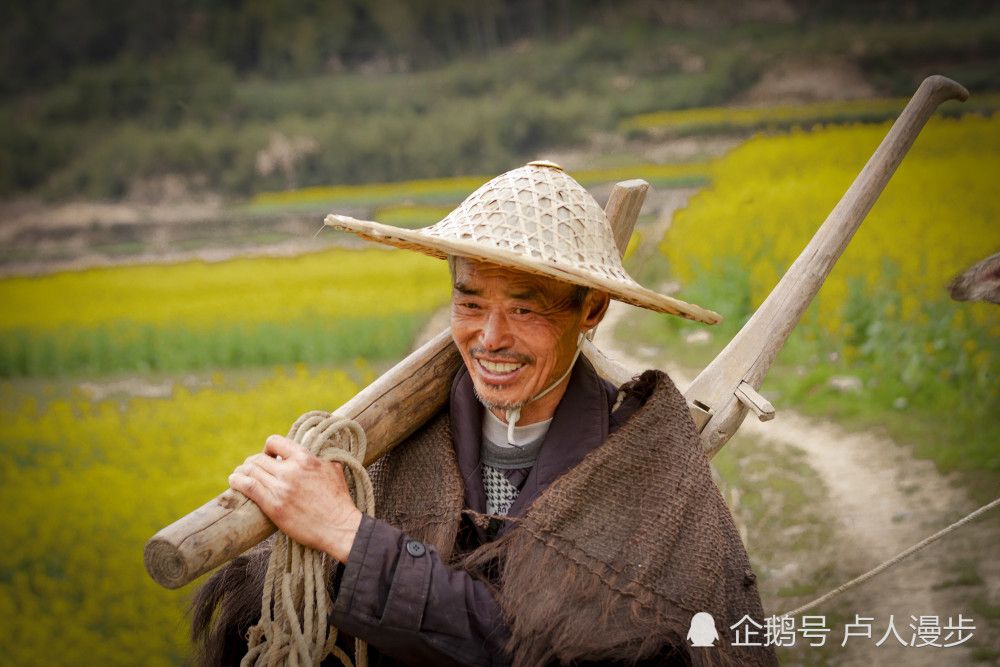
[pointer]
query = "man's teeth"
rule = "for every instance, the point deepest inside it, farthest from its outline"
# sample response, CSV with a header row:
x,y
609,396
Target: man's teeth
x,y
499,368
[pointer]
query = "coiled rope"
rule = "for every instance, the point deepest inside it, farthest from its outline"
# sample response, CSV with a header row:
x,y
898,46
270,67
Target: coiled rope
x,y
297,576
894,560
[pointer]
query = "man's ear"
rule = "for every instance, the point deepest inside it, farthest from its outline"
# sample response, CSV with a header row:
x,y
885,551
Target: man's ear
x,y
594,308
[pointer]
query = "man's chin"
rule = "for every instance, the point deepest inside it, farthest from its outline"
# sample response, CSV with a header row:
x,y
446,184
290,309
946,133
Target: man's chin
x,y
492,397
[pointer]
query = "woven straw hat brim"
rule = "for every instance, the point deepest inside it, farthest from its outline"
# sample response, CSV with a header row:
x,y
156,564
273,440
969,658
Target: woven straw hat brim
x,y
628,292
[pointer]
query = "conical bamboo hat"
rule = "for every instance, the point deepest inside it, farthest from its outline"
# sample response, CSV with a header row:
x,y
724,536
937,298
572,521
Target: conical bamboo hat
x,y
536,218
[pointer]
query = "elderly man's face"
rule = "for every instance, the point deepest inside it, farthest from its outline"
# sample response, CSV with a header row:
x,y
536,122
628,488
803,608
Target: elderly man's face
x,y
518,333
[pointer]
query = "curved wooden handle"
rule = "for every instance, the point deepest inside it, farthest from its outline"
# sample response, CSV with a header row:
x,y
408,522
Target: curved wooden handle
x,y
748,357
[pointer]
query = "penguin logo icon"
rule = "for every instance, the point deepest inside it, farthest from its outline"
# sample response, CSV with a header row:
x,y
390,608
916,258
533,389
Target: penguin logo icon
x,y
703,632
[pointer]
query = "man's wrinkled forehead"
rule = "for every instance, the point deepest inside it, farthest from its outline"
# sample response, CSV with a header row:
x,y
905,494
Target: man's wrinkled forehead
x,y
472,277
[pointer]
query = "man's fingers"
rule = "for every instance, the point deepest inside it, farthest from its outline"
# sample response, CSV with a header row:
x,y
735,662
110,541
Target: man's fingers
x,y
259,465
277,445
265,463
248,486
257,479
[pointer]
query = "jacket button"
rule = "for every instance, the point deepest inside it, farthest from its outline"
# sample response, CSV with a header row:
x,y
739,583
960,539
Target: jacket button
x,y
415,549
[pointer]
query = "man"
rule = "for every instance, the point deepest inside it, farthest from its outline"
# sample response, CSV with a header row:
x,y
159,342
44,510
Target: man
x,y
546,516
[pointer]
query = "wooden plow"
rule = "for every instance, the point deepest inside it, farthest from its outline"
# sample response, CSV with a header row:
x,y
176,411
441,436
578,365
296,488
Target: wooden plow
x,y
401,400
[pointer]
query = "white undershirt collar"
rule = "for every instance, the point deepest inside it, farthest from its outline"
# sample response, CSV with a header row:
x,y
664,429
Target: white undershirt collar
x,y
497,432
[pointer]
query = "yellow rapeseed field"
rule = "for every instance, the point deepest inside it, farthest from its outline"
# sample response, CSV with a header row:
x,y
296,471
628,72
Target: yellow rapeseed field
x,y
201,295
937,215
85,484
330,306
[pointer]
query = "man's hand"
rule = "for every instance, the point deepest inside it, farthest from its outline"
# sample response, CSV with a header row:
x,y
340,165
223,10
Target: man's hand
x,y
307,498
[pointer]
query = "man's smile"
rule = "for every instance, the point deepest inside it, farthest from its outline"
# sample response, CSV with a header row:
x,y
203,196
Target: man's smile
x,y
501,367
498,372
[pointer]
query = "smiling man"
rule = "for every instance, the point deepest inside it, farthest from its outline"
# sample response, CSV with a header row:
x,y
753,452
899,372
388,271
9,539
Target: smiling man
x,y
519,334
545,516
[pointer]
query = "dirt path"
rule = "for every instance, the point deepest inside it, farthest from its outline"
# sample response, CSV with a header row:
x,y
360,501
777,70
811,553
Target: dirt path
x,y
875,501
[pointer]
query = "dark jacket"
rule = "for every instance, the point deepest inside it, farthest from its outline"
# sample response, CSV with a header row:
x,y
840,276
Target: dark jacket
x,y
398,595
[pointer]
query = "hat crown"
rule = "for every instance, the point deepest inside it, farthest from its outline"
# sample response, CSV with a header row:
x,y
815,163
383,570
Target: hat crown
x,y
535,219
540,213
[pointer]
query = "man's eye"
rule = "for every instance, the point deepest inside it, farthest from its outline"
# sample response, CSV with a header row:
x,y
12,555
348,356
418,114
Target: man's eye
x,y
470,306
521,311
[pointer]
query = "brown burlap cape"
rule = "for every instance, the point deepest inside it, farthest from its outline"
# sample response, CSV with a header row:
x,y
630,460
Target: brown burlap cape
x,y
608,565
614,558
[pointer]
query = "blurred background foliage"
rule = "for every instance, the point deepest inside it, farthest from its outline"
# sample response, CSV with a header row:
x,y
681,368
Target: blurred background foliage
x,y
99,94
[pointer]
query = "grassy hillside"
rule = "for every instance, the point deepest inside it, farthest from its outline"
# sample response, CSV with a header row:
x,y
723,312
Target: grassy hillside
x,y
108,128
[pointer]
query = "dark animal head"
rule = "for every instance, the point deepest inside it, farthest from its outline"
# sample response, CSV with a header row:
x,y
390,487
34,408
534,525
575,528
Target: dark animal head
x,y
980,282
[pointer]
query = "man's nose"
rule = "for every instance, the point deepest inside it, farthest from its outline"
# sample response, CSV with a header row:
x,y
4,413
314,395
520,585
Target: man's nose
x,y
496,331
